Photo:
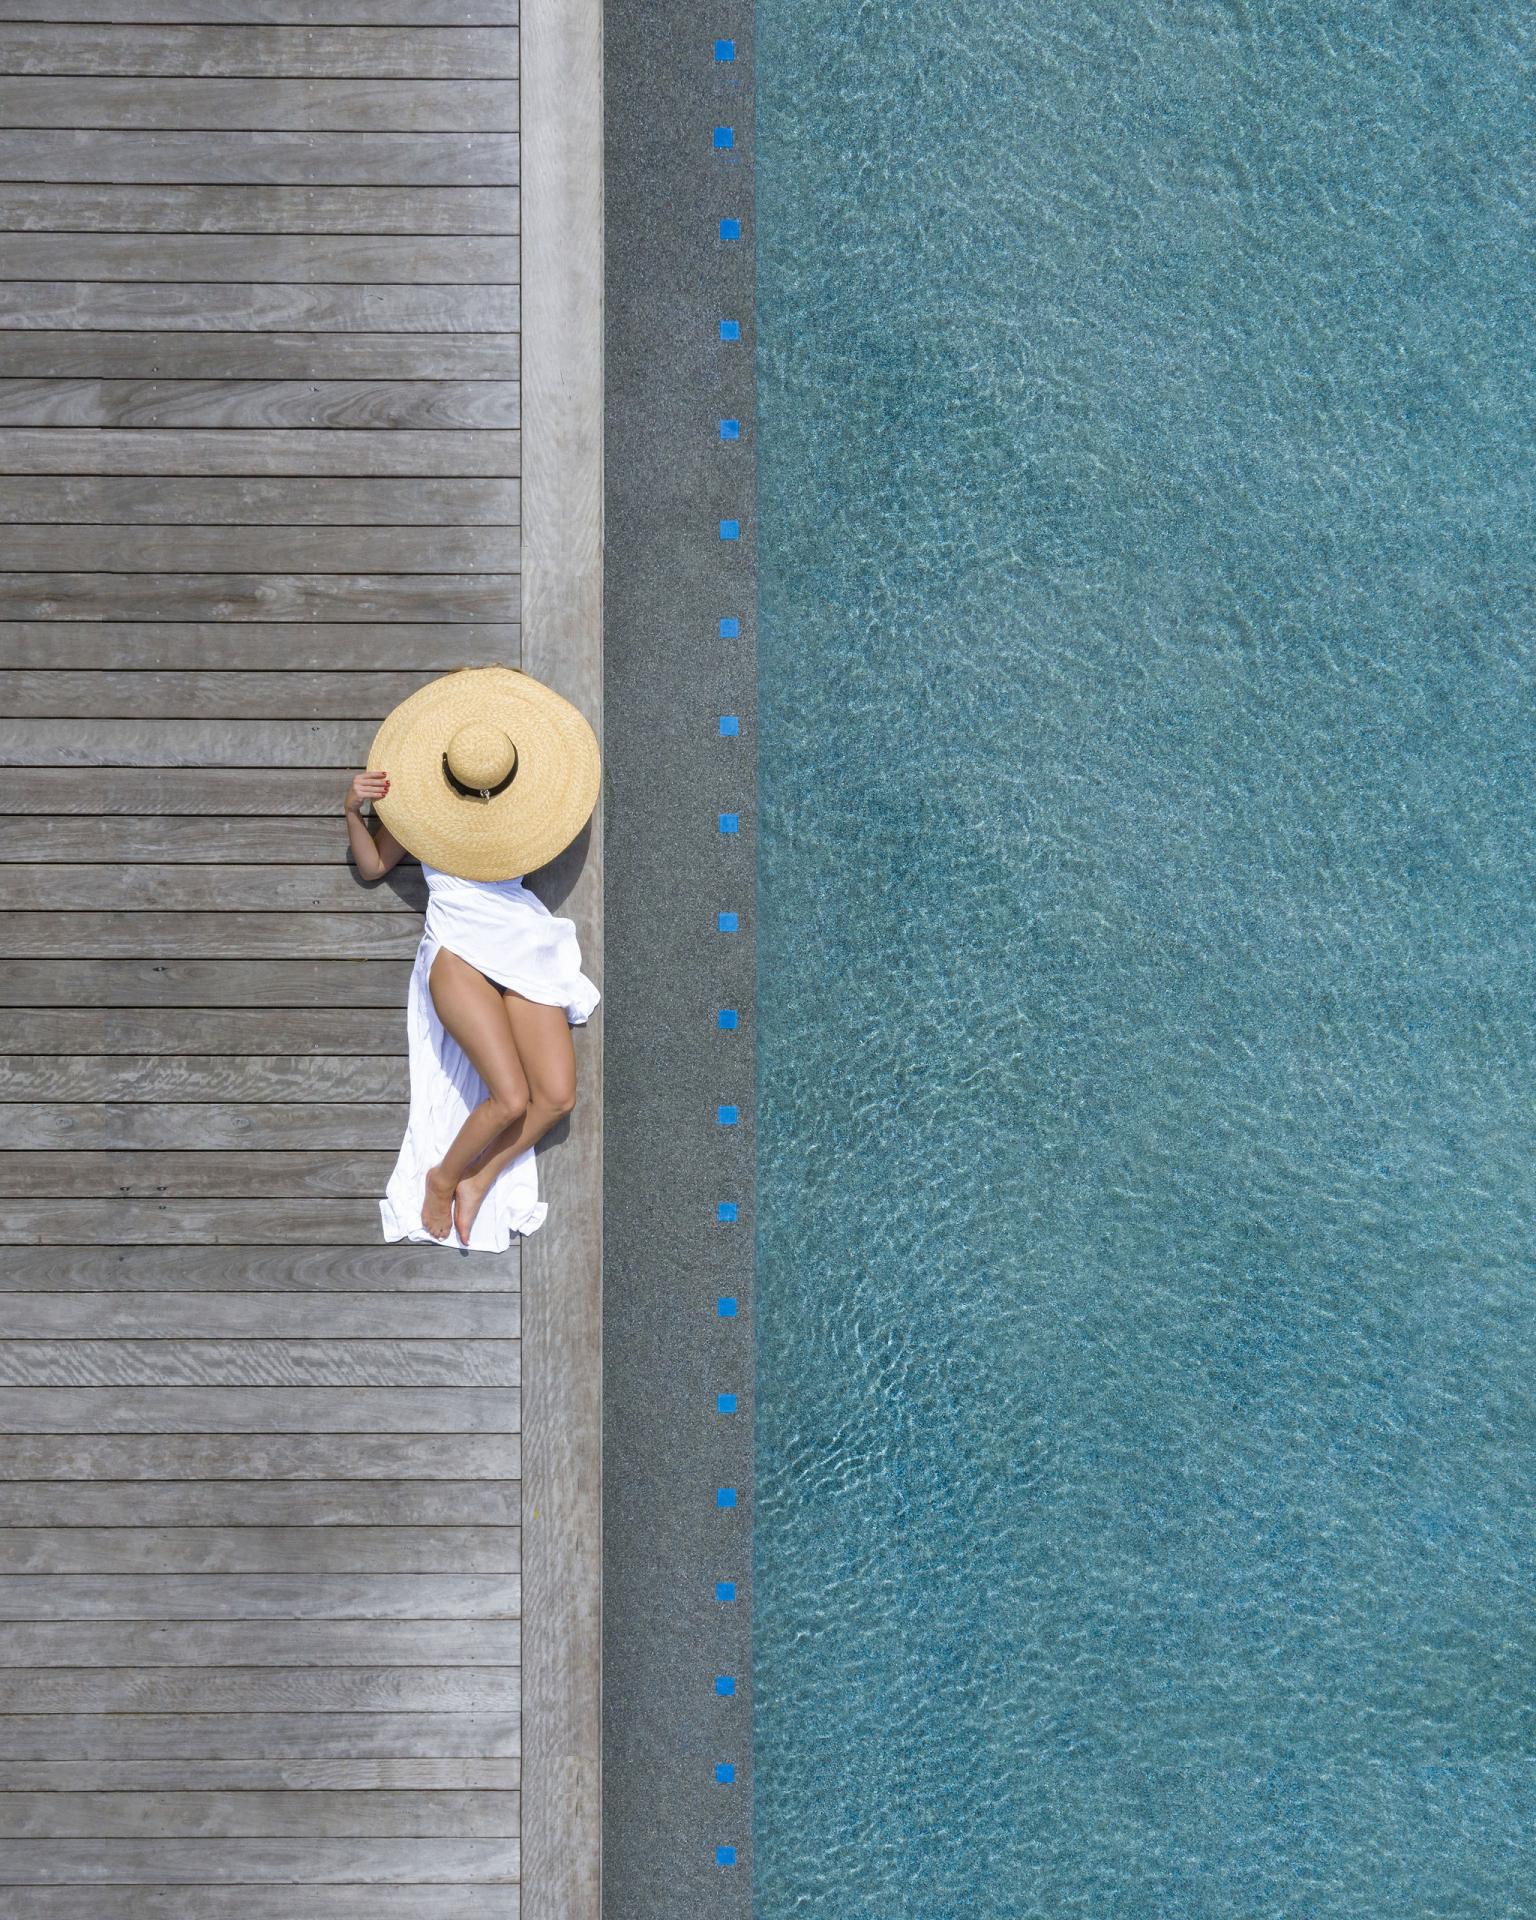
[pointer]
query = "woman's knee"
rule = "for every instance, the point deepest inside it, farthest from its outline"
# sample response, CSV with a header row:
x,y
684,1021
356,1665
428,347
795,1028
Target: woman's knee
x,y
509,1104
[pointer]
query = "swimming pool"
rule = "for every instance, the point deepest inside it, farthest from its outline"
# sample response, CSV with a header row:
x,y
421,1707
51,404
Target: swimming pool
x,y
1143,1444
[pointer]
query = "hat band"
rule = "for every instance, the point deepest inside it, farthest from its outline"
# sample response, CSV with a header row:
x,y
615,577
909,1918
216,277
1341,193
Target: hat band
x,y
479,793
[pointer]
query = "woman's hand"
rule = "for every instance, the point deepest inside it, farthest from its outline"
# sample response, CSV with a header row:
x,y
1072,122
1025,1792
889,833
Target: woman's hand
x,y
365,786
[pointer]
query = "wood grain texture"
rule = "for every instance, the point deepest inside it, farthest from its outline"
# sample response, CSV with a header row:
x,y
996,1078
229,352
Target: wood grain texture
x,y
260,478
141,450
263,501
261,13
229,106
208,646
328,550
57,982
416,259
275,305
34,206
183,51
245,157
230,1736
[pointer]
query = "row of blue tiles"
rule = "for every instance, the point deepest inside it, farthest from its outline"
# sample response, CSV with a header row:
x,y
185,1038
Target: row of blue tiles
x,y
724,141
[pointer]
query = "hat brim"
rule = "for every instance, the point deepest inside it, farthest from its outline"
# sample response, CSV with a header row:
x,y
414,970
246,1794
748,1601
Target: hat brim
x,y
539,813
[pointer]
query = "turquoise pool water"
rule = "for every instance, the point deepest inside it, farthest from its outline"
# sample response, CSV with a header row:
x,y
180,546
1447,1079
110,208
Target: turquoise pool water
x,y
1145,1447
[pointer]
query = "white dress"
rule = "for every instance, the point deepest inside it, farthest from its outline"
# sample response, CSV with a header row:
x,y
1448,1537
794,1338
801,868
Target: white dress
x,y
507,932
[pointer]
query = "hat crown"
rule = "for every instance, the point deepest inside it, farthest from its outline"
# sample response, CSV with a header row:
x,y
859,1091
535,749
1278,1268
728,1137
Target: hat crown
x,y
480,754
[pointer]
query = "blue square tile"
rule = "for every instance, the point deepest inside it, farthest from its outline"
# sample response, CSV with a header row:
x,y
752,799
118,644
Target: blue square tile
x,y
727,1017
730,529
725,1496
727,1116
730,329
725,49
725,1403
725,1306
730,822
730,229
725,1589
725,138
726,1210
725,1773
724,1685
726,922
730,627
725,1856
730,724
730,429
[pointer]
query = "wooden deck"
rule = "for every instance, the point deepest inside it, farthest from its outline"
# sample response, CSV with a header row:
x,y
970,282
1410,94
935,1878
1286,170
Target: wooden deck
x,y
280,438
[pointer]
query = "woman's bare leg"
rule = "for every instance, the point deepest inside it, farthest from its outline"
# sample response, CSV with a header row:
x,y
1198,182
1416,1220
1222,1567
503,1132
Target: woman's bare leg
x,y
542,1036
469,1007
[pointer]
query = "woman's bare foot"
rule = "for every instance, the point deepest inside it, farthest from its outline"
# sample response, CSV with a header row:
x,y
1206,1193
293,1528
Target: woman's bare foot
x,y
467,1196
437,1205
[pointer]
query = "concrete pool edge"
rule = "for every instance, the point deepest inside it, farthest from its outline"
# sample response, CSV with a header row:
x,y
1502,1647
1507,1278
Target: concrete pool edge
x,y
680,687
561,349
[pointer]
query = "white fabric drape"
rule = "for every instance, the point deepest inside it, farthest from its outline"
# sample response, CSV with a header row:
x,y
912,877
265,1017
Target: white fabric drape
x,y
504,929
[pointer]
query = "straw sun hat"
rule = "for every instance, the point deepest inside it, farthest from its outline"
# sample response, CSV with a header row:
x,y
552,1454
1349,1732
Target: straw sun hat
x,y
491,773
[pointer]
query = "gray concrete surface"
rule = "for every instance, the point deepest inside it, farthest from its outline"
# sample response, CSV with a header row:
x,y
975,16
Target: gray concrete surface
x,y
668,677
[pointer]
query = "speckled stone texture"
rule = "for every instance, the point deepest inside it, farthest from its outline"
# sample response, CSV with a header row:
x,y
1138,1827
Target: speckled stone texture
x,y
668,677
1145,1462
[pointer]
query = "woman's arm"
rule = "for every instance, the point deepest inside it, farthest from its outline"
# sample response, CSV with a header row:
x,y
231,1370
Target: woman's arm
x,y
374,857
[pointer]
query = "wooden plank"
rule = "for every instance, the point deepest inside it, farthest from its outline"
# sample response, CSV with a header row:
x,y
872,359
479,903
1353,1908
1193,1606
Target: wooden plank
x,y
183,1127
222,1456
252,1362
156,1030
418,1901
230,107
459,53
191,1174
80,353
385,551
221,646
273,306
361,405
251,1643
217,1815
283,1862
332,1408
262,159
213,742
144,1222
100,207
417,260
245,1316
255,1690
106,1556
247,1776
138,981
252,13
149,695
175,1079
402,1266
226,1736
262,501
334,887
260,936
141,450
298,1503
258,596
296,1594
